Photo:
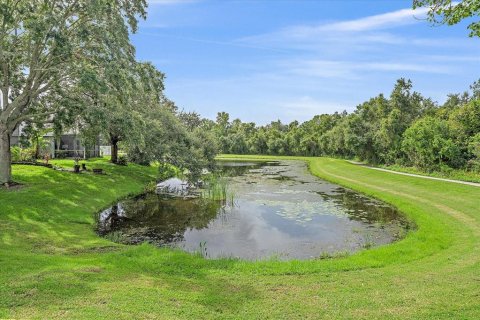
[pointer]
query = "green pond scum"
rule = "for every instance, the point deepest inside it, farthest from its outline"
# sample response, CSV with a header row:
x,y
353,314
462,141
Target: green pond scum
x,y
255,211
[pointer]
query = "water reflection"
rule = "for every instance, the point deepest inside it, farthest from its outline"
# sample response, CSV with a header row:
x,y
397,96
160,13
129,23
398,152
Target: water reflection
x,y
156,219
279,210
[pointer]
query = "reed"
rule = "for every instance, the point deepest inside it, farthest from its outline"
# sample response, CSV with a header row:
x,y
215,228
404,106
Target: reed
x,y
217,188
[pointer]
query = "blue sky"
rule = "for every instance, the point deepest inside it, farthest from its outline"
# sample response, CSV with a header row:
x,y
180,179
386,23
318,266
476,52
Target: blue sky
x,y
289,60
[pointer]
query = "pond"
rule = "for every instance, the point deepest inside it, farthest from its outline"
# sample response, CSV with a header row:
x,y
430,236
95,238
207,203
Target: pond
x,y
273,210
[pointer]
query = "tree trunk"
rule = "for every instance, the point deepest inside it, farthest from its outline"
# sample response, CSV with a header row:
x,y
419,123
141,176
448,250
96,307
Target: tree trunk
x,y
114,148
37,148
5,157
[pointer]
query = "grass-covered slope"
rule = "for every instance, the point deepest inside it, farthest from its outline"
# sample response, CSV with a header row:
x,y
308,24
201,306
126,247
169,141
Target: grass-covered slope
x,y
52,265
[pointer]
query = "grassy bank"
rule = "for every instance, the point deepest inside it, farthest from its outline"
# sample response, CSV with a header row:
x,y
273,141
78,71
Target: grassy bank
x,y
54,266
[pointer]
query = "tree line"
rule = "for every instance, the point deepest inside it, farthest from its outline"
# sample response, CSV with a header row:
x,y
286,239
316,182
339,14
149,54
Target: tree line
x,y
403,128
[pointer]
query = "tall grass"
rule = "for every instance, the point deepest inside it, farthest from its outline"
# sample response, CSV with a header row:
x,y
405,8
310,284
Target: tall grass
x,y
217,188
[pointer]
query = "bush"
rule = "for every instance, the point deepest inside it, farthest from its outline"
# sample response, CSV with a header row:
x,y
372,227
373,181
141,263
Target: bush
x,y
137,156
429,145
122,160
22,154
167,171
16,154
473,165
61,154
150,187
474,146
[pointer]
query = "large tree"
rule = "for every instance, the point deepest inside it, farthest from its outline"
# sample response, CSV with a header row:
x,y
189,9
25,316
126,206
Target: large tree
x,y
133,93
428,144
43,47
452,12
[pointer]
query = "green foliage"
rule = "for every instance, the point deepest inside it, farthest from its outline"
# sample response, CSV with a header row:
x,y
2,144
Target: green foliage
x,y
61,154
428,144
20,154
217,188
16,154
404,128
51,49
474,149
122,160
167,171
150,187
474,145
465,120
166,140
452,12
33,137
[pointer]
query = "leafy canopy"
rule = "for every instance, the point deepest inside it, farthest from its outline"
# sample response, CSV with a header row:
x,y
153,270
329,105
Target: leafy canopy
x,y
451,12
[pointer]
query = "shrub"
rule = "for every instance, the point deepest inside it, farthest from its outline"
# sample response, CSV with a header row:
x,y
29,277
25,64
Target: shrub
x,y
473,165
139,157
429,144
474,146
122,160
150,187
22,154
16,154
61,154
167,171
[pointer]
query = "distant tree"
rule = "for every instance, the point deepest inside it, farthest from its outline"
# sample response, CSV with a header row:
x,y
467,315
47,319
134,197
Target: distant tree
x,y
474,149
404,128
475,87
191,120
223,119
428,144
474,145
465,120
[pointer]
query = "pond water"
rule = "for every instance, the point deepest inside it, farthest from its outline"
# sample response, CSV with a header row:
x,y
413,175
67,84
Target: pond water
x,y
273,210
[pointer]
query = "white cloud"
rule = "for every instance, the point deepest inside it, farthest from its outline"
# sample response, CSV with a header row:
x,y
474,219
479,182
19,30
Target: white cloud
x,y
320,68
368,29
354,70
303,70
406,67
380,21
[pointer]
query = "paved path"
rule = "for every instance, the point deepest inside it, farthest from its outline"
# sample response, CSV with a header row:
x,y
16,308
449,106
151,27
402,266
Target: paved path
x,y
416,175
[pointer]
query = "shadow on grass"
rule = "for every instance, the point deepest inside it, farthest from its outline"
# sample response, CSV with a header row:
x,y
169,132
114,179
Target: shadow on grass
x,y
49,249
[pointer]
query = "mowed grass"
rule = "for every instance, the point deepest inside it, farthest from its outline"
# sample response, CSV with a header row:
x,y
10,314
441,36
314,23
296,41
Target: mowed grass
x,y
52,264
458,174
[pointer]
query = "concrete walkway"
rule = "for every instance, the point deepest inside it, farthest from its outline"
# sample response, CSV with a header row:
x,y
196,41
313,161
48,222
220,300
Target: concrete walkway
x,y
475,184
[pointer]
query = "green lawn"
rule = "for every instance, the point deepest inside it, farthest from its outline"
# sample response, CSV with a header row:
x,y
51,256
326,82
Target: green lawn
x,y
458,174
52,265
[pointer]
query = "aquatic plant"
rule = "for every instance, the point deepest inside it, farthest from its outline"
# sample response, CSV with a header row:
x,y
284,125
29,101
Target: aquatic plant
x,y
217,188
369,241
333,255
115,236
203,249
150,187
